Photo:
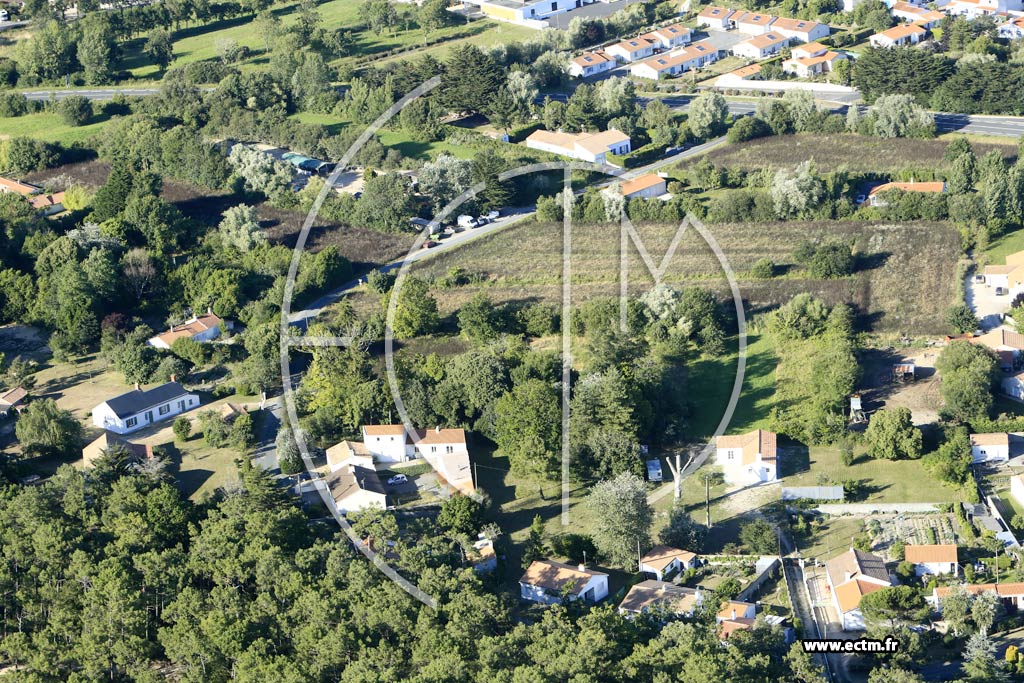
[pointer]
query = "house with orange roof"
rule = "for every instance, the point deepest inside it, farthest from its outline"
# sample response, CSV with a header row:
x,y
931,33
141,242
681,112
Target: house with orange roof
x,y
1012,29
933,559
647,186
851,576
990,447
631,50
761,46
898,36
972,9
922,16
663,561
1009,276
17,187
661,597
1011,595
201,328
811,59
735,615
592,147
718,18
679,61
549,582
749,458
875,196
669,37
805,31
590,64
753,23
106,441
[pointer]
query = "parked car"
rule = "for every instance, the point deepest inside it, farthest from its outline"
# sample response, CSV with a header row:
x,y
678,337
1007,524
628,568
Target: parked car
x,y
492,215
1000,291
860,199
397,479
430,244
979,279
30,479
465,221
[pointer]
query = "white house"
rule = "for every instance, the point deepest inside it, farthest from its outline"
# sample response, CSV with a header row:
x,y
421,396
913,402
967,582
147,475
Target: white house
x,y
669,37
735,615
1017,488
799,29
993,447
1007,345
687,59
810,60
203,328
1013,386
647,186
923,16
1010,594
525,12
1009,276
590,64
443,449
631,50
136,409
718,18
354,487
972,9
933,559
753,23
662,597
761,46
1012,30
13,399
851,576
592,147
898,36
748,458
875,196
548,582
661,561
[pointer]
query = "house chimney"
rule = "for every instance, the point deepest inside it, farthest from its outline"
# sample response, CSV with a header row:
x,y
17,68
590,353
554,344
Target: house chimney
x,y
583,567
137,387
437,429
733,612
174,378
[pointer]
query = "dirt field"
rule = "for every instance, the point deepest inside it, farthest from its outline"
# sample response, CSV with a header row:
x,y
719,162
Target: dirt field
x,y
853,152
880,390
363,247
905,279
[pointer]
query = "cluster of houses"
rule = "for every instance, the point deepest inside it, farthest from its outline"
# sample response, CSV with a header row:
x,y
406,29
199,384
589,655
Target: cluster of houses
x,y
45,203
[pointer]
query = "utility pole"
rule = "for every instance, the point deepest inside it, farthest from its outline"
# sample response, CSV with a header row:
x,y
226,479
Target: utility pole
x,y
707,499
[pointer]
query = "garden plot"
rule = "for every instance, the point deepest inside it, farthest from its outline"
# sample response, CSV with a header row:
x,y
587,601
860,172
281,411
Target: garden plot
x,y
939,528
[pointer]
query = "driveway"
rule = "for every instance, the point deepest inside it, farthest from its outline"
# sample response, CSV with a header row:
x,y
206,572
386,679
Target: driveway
x,y
987,307
723,40
269,421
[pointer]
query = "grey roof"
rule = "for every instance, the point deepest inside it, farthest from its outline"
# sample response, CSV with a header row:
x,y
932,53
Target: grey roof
x,y
137,400
856,563
812,492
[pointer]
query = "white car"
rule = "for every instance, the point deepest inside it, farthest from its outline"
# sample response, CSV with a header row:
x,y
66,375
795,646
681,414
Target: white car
x,y
492,215
397,479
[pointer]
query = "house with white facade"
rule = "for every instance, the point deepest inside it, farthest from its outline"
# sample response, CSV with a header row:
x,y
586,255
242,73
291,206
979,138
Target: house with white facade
x,y
915,14
661,561
1011,595
735,615
1013,29
851,576
661,597
749,458
1017,488
810,60
590,64
898,36
549,582
933,559
139,408
632,50
443,449
669,37
762,46
354,487
876,195
695,56
991,447
201,328
1013,386
592,147
972,9
753,23
647,186
525,12
1009,276
718,18
800,29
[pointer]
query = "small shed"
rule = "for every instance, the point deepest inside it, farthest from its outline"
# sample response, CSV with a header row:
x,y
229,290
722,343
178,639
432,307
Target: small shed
x,y
654,472
904,372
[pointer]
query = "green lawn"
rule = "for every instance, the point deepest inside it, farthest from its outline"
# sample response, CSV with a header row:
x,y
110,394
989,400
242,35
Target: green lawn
x,y
711,379
884,481
1007,244
49,127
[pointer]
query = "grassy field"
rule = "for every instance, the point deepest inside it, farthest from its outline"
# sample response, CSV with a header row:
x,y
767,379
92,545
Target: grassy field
x,y
711,379
49,127
853,152
399,139
1007,244
905,281
885,481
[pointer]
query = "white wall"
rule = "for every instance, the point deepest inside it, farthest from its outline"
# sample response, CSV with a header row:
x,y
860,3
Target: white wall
x,y
104,418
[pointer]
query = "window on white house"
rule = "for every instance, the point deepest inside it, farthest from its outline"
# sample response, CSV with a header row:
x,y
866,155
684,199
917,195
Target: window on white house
x,y
131,422
433,449
449,449
163,410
